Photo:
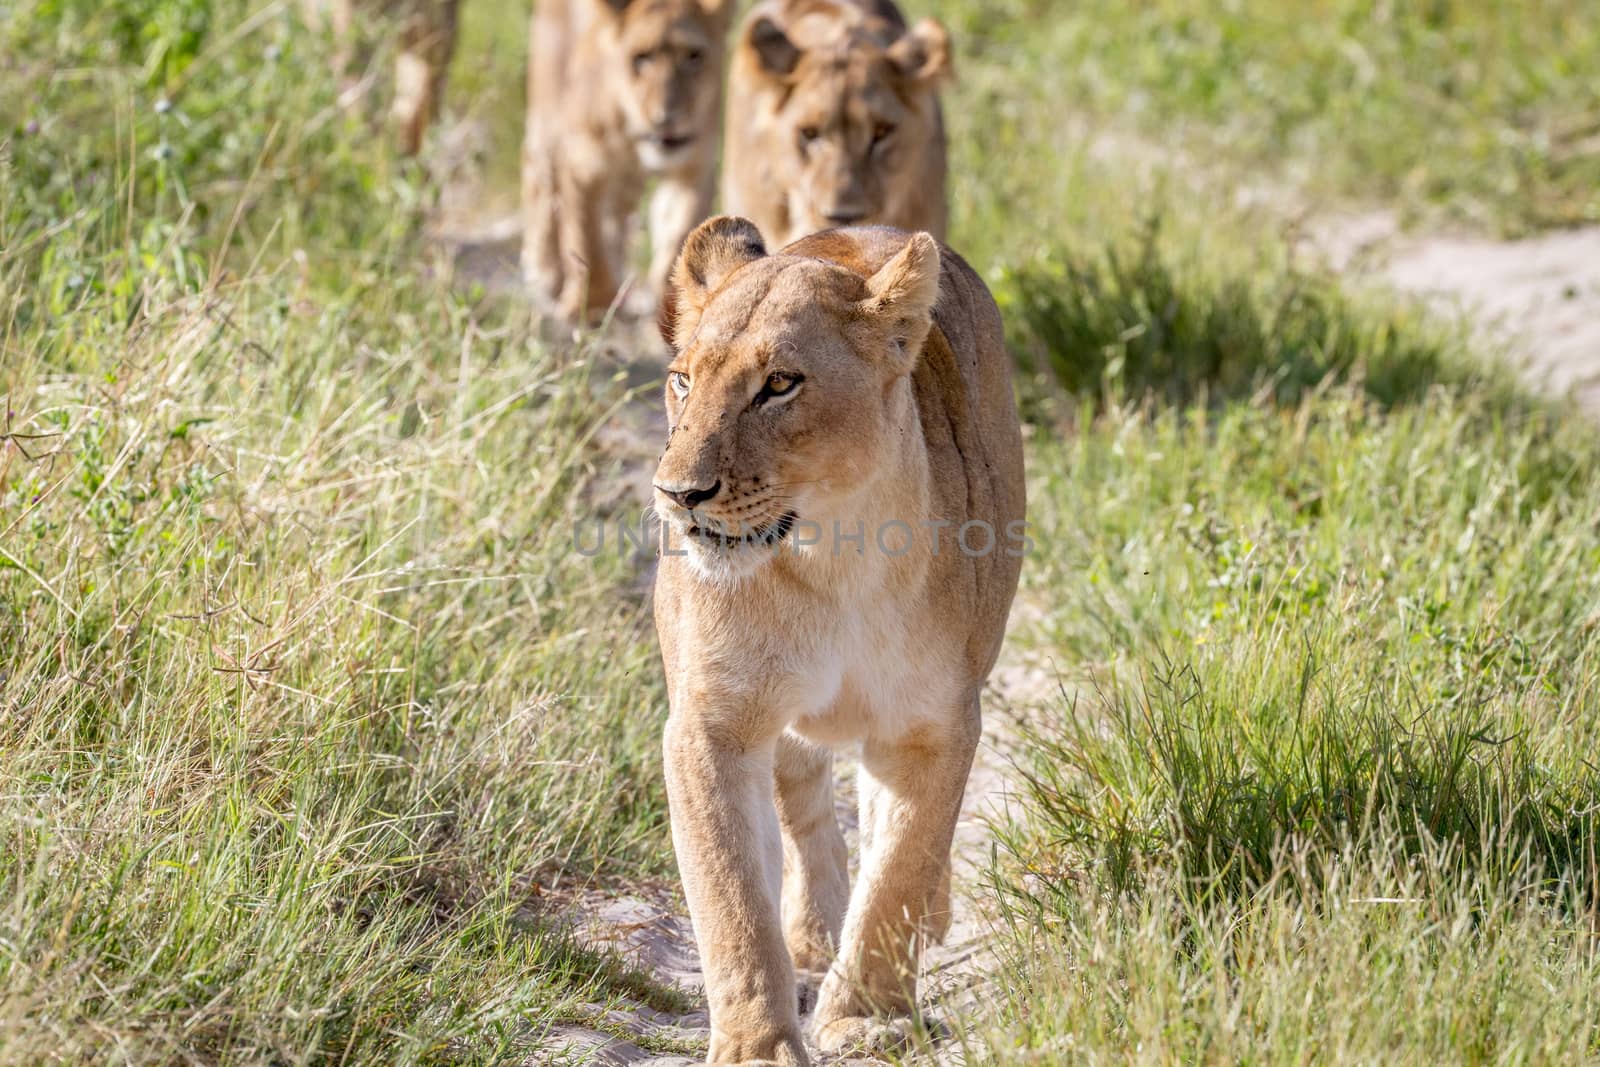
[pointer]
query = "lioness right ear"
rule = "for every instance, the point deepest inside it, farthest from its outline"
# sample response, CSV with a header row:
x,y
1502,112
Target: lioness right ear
x,y
711,253
922,54
901,296
778,54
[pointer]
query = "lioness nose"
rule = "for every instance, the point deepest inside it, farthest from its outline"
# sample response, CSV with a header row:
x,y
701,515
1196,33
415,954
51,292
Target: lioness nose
x,y
691,498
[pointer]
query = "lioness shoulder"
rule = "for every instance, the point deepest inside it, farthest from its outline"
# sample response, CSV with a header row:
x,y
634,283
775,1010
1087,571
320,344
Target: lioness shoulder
x,y
834,119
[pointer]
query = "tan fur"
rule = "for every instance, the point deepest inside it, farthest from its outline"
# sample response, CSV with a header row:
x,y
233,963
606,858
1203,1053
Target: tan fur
x,y
427,41
834,120
612,86
777,653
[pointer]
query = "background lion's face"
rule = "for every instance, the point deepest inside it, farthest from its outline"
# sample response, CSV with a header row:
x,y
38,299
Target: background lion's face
x,y
668,55
847,130
853,109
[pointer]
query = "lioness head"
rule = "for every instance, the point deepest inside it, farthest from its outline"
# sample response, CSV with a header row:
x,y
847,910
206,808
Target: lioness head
x,y
667,59
790,385
855,96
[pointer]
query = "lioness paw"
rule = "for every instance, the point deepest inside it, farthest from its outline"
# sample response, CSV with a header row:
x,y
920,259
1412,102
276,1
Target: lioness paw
x,y
875,1035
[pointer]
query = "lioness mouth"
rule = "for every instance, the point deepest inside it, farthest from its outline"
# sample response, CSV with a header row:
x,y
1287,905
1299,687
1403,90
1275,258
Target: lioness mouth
x,y
770,534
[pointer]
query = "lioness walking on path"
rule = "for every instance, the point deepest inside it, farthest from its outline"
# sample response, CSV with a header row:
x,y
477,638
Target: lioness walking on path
x,y
834,120
842,494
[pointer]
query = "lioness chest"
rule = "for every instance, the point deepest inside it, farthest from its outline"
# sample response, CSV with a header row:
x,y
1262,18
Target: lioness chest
x,y
852,669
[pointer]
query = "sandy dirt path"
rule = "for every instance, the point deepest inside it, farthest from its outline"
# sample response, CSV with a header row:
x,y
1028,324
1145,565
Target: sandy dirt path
x,y
1537,299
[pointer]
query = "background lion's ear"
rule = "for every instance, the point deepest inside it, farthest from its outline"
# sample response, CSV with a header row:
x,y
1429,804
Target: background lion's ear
x,y
922,54
713,251
901,297
777,54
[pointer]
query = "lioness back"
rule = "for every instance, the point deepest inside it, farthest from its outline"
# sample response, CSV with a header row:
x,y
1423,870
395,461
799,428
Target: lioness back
x,y
834,120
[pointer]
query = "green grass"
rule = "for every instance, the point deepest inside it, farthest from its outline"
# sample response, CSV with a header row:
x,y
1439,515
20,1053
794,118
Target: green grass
x,y
1319,584
1468,110
303,711
308,712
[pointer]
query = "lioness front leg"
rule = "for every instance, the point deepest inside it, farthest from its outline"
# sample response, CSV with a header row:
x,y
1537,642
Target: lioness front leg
x,y
725,834
816,870
901,901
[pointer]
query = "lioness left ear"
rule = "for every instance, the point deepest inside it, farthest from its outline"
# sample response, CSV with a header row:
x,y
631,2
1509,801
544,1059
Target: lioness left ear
x,y
711,253
777,54
901,297
922,54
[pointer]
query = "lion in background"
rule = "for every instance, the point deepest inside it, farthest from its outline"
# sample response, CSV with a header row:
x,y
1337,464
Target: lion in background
x,y
833,119
426,43
618,91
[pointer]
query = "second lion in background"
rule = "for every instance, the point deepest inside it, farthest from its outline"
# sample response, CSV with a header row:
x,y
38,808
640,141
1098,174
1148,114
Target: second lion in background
x,y
834,120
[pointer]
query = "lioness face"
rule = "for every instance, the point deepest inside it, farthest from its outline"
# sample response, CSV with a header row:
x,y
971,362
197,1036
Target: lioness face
x,y
669,53
851,117
785,392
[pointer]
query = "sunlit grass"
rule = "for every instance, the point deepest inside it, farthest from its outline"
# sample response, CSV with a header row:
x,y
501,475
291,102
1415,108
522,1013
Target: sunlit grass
x,y
308,712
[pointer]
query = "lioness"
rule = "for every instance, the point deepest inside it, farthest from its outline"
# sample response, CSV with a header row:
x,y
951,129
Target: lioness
x,y
834,120
842,495
617,90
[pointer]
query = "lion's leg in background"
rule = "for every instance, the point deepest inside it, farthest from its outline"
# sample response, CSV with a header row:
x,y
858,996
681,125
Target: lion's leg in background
x,y
541,232
725,833
901,899
816,873
427,43
681,202
588,273
548,42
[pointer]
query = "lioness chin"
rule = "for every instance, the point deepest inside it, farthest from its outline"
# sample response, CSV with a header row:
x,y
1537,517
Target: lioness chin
x,y
841,418
834,120
618,91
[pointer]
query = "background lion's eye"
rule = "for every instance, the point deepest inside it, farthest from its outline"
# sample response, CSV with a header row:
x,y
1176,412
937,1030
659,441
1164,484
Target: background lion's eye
x,y
639,61
882,132
693,57
809,134
778,384
679,382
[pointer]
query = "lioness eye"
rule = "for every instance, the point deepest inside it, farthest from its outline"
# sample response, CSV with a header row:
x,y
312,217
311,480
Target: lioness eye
x,y
679,382
639,61
694,56
882,132
809,134
778,384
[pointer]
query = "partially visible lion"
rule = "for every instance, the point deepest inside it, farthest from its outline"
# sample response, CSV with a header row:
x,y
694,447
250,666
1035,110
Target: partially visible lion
x,y
834,119
427,41
842,490
618,91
